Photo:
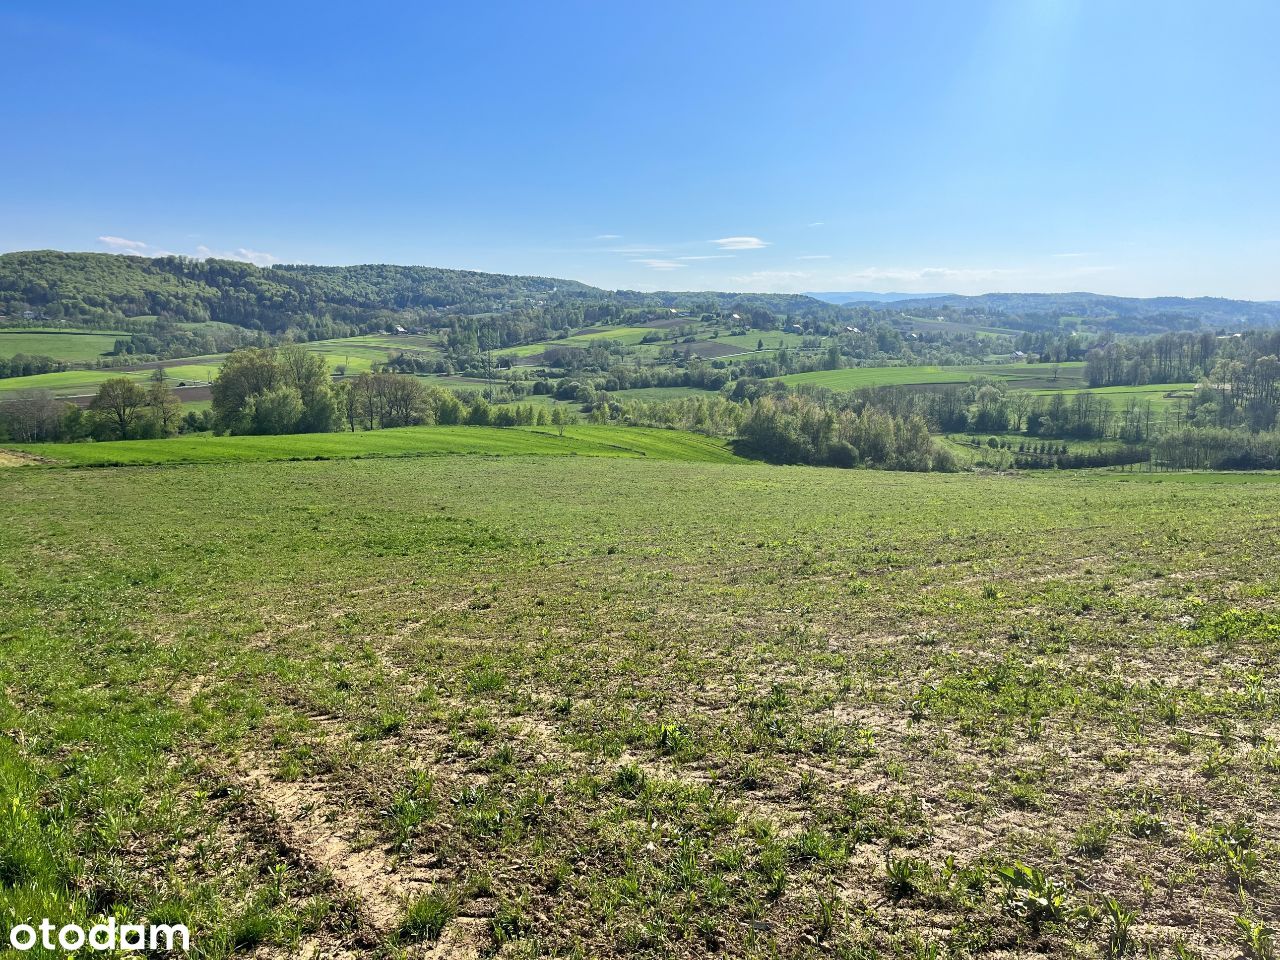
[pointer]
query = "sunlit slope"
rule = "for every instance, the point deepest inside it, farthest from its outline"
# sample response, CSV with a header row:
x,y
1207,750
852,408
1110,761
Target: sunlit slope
x,y
406,441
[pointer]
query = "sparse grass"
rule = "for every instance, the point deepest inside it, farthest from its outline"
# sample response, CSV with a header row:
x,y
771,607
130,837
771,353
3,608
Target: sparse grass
x,y
630,706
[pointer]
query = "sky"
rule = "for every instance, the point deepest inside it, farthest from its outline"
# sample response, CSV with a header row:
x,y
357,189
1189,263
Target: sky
x,y
1126,147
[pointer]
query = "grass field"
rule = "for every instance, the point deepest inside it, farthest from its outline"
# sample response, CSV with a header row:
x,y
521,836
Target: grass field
x,y
68,383
606,707
628,335
747,342
67,345
954,327
705,345
359,354
1158,394
79,383
1016,375
588,441
659,394
857,378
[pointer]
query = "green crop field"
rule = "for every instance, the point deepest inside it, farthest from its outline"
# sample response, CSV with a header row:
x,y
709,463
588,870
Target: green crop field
x,y
359,354
77,383
658,394
188,372
955,326
747,342
628,335
856,378
403,441
1158,394
67,345
607,707
68,383
1016,375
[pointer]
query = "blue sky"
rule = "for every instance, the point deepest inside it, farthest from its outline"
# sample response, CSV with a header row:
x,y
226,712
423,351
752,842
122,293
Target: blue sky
x,y
1119,146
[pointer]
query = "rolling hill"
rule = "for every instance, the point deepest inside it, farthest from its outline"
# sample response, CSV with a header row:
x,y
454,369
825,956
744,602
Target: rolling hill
x,y
867,296
1210,311
104,290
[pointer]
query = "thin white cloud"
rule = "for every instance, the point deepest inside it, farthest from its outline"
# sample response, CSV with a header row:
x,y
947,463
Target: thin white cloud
x,y
634,249
741,243
928,275
1073,255
815,256
818,223
261,258
141,249
710,256
243,254
966,280
120,243
660,264
773,281
608,236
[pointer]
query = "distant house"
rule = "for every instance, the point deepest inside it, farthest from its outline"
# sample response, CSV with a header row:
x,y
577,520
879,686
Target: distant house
x,y
28,314
399,330
1019,355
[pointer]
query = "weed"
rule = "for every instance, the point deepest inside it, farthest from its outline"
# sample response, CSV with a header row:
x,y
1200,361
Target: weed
x,y
1256,938
1033,897
1091,839
903,875
426,917
1120,921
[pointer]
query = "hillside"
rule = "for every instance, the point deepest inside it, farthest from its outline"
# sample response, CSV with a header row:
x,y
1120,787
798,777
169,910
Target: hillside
x,y
1118,312
105,288
434,441
130,294
95,285
868,296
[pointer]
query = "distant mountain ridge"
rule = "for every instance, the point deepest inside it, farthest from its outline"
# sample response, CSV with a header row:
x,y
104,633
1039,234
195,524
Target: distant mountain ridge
x,y
867,296
321,300
1214,311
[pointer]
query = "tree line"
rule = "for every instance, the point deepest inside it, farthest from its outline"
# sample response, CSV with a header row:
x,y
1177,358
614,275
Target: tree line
x,y
28,365
122,409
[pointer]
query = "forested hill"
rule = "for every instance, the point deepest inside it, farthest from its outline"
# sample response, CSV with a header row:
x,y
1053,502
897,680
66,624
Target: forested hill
x,y
784,304
105,288
1116,313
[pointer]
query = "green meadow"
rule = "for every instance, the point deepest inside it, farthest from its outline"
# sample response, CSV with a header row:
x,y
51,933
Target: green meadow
x,y
857,378
582,441
67,345
1045,377
1160,395
360,354
78,383
630,336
